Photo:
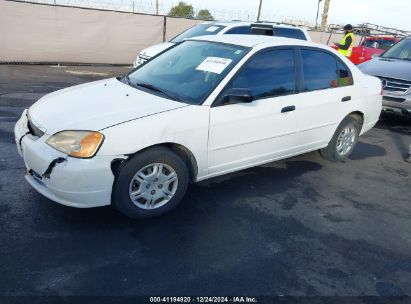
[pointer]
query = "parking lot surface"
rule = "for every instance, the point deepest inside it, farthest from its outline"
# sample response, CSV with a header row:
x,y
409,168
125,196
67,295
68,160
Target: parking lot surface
x,y
301,226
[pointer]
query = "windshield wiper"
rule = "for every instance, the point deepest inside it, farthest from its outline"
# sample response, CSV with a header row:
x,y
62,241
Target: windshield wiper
x,y
125,79
156,89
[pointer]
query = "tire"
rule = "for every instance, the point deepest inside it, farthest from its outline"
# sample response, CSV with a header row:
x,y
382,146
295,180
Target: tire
x,y
336,150
154,192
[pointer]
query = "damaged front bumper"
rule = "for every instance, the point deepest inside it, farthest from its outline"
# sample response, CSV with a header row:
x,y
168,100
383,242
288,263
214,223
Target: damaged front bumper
x,y
74,182
399,104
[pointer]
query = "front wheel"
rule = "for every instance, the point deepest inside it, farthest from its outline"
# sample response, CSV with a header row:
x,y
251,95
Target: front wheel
x,y
343,141
150,183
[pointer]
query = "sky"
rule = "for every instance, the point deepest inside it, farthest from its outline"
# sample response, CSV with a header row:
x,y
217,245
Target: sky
x,y
389,13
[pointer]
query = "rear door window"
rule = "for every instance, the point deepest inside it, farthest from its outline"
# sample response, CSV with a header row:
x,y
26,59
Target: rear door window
x,y
244,30
289,33
344,74
319,70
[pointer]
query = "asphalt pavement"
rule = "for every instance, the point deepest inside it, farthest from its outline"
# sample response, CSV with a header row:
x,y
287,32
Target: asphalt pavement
x,y
301,226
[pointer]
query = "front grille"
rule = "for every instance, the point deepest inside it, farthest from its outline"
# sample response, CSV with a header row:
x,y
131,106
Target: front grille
x,y
394,99
398,86
34,130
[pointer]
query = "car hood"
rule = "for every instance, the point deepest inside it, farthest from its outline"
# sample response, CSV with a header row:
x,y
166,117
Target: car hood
x,y
386,67
95,106
156,49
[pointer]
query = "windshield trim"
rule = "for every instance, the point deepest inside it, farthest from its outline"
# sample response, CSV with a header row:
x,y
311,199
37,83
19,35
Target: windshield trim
x,y
125,78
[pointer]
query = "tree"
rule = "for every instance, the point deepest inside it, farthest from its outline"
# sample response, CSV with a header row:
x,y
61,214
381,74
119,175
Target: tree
x,y
204,14
182,9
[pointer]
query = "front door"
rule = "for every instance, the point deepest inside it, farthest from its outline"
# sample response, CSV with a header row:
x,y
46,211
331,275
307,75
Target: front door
x,y
246,134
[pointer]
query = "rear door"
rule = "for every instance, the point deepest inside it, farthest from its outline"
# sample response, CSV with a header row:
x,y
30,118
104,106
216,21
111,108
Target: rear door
x,y
327,94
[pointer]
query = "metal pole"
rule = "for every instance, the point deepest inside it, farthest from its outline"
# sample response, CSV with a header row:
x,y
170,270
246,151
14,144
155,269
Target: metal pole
x,y
164,28
259,10
156,7
318,9
325,14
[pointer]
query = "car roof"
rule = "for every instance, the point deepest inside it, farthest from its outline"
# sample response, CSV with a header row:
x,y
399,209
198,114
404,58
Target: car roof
x,y
243,23
226,23
254,40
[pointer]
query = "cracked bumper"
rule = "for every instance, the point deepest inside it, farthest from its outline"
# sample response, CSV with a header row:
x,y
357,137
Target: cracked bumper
x,y
80,183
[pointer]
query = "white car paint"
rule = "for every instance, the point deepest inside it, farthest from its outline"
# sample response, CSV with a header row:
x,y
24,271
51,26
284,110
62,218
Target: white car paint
x,y
156,49
101,111
220,139
151,51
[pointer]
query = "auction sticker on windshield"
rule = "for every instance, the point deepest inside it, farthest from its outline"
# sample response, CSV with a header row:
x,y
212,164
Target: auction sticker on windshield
x,y
214,65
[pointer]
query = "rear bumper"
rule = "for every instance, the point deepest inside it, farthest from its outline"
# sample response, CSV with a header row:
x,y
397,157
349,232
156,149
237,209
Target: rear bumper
x,y
74,182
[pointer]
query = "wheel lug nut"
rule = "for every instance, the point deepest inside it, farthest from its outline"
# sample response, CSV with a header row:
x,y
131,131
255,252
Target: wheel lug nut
x,y
160,186
153,192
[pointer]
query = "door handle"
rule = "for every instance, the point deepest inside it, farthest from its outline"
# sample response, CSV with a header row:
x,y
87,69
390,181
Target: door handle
x,y
288,109
346,98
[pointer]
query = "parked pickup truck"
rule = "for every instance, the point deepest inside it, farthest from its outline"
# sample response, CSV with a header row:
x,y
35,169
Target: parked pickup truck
x,y
371,47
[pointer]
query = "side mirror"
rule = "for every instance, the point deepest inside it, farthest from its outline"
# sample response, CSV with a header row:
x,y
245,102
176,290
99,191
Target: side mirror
x,y
237,95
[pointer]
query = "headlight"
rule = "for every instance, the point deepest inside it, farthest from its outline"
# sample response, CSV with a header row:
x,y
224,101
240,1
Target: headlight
x,y
82,144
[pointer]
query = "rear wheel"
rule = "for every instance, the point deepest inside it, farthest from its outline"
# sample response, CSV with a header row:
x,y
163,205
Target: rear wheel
x,y
150,183
343,141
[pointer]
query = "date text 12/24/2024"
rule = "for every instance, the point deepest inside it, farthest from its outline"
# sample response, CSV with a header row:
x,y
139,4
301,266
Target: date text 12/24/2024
x,y
203,300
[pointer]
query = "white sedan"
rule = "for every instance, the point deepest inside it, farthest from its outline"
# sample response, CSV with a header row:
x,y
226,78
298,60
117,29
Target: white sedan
x,y
225,28
208,106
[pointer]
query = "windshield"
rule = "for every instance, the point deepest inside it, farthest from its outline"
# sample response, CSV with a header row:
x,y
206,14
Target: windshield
x,y
198,30
401,50
187,72
382,44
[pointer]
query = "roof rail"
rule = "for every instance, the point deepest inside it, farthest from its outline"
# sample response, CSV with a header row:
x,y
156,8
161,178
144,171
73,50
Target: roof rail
x,y
276,23
369,29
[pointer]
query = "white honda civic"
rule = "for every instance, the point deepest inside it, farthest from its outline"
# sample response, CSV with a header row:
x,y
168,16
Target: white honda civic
x,y
207,106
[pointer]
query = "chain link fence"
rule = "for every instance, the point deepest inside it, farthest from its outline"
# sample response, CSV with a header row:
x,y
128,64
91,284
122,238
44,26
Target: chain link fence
x,y
164,7
102,34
